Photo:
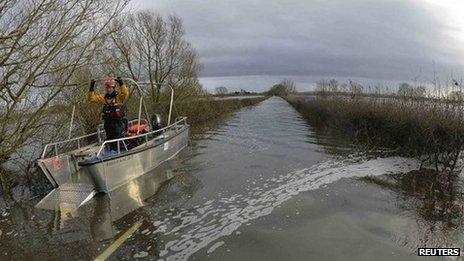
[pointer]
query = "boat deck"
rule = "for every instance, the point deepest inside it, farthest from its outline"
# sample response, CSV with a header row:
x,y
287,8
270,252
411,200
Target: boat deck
x,y
72,194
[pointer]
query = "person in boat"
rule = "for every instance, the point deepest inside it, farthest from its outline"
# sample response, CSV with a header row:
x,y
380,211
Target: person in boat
x,y
113,110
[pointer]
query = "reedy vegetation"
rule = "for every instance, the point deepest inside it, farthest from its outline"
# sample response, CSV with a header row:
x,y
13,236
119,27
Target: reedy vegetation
x,y
409,122
200,111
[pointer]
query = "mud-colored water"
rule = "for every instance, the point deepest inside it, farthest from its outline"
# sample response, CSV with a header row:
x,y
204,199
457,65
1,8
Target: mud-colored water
x,y
261,185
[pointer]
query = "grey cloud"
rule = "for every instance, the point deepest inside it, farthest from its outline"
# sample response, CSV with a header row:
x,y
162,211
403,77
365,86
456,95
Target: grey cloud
x,y
359,38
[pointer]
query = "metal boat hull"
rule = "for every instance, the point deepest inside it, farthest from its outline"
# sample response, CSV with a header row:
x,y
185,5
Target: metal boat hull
x,y
83,165
109,174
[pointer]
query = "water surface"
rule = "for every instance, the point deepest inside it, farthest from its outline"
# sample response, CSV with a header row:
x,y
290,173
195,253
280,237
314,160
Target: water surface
x,y
260,184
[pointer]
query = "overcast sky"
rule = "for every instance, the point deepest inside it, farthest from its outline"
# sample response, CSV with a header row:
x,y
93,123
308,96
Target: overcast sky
x,y
391,40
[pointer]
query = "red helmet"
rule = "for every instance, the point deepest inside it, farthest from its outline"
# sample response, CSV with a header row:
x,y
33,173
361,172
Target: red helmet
x,y
110,83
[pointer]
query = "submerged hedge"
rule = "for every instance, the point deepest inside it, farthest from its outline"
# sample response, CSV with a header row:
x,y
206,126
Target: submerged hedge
x,y
197,111
429,130
200,111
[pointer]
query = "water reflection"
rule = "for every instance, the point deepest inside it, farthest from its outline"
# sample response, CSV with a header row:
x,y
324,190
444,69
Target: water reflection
x,y
101,223
433,200
94,225
150,190
149,201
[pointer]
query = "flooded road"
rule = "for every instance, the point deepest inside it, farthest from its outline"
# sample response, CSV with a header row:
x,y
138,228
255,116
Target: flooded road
x,y
261,185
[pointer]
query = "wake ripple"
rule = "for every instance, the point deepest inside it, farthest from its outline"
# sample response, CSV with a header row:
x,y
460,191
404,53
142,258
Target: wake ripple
x,y
194,229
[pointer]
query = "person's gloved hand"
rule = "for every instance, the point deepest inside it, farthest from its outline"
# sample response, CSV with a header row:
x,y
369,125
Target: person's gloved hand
x,y
119,81
92,85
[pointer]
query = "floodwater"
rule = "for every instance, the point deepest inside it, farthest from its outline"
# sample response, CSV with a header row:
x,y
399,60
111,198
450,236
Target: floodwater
x,y
259,185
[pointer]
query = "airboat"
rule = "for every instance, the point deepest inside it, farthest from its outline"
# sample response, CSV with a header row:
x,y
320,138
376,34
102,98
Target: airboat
x,y
80,167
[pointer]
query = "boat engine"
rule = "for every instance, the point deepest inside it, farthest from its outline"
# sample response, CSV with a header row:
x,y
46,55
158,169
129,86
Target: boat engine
x,y
156,122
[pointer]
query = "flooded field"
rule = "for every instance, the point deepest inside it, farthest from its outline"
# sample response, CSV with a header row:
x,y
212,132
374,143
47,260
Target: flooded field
x,y
260,185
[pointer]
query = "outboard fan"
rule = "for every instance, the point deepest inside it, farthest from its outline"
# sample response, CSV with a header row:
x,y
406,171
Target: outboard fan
x,y
156,122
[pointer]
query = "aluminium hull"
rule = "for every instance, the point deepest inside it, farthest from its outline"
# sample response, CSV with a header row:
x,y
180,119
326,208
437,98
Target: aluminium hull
x,y
111,173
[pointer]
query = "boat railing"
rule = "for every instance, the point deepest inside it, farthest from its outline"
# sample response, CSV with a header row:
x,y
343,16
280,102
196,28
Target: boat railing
x,y
78,141
121,144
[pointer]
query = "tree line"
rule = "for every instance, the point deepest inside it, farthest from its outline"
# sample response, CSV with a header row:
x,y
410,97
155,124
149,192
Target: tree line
x,y
452,91
282,89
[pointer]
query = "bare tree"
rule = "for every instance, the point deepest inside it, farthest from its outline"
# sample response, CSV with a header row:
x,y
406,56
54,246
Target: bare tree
x,y
152,47
221,91
184,80
42,43
356,89
124,57
406,90
322,87
282,89
333,86
289,85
